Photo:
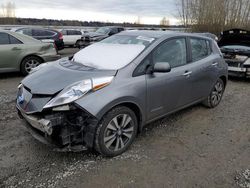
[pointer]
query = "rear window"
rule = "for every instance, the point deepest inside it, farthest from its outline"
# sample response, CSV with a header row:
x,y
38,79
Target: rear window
x,y
200,49
8,39
14,40
4,38
25,32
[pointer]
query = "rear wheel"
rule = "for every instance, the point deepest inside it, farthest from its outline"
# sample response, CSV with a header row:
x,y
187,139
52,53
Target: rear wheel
x,y
30,63
116,132
79,44
216,94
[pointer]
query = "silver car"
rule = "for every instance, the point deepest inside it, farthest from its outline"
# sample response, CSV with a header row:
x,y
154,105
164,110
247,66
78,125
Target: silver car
x,y
106,94
23,53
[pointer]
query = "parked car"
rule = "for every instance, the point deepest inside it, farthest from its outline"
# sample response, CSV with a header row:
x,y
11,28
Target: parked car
x,y
43,35
71,37
109,90
235,46
22,53
98,35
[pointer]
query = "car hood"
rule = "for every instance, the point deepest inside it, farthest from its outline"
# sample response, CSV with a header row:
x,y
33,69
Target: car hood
x,y
55,76
235,37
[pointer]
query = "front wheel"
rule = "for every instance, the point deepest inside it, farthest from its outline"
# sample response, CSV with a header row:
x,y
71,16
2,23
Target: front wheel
x,y
116,132
216,94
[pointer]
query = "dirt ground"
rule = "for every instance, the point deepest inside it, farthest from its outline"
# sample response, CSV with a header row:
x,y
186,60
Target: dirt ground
x,y
197,147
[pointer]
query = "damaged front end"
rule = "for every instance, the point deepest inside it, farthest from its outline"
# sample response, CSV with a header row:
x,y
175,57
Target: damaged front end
x,y
238,65
235,46
66,128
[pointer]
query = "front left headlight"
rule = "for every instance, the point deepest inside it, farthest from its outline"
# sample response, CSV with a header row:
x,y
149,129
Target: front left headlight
x,y
78,90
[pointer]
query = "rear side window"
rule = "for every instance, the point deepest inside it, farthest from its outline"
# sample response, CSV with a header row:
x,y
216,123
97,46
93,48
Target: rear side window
x,y
201,48
42,33
78,33
4,38
74,32
173,52
14,40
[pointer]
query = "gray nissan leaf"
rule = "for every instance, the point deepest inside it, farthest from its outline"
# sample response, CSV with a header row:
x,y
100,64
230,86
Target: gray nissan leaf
x,y
104,95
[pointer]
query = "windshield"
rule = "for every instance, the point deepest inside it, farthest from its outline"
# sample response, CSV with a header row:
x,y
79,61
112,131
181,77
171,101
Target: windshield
x,y
103,30
124,39
112,53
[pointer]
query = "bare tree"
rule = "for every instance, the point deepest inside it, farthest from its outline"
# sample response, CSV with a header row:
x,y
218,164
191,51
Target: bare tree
x,y
8,10
214,15
164,22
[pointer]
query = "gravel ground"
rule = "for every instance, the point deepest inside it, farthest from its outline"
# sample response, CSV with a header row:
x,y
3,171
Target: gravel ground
x,y
197,147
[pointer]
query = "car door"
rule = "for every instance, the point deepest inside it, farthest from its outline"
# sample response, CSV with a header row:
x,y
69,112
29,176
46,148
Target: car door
x,y
10,51
166,92
203,68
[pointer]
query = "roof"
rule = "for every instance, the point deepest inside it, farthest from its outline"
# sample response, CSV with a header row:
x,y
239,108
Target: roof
x,y
158,34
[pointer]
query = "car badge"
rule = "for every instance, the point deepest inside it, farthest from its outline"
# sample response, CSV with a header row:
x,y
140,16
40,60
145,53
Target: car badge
x,y
20,99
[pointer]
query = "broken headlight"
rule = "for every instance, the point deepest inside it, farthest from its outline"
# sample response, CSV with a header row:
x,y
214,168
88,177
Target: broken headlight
x,y
77,90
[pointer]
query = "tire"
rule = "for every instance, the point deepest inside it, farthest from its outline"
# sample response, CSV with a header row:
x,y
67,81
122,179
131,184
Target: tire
x,y
113,138
216,94
79,44
29,63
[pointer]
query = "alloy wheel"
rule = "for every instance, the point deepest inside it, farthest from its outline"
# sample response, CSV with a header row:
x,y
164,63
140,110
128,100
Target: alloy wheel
x,y
119,132
31,64
217,93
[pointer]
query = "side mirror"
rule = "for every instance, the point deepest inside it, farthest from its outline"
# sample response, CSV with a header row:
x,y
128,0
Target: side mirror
x,y
162,67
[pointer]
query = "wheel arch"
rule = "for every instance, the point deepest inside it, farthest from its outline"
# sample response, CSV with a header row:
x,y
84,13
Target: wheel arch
x,y
224,79
129,104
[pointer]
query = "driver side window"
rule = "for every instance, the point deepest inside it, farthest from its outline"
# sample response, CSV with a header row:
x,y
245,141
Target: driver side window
x,y
173,52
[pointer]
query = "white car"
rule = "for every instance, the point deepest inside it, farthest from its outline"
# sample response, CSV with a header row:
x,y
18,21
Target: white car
x,y
71,36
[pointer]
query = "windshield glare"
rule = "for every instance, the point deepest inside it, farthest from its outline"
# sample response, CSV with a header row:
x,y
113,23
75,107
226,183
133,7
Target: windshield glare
x,y
122,39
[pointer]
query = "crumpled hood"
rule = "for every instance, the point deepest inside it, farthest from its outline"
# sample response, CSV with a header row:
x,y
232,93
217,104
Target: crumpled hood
x,y
57,75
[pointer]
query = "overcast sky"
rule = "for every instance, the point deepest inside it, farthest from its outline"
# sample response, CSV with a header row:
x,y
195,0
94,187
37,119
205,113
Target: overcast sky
x,y
150,11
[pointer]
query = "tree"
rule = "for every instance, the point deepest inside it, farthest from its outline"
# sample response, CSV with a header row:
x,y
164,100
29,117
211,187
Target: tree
x,y
164,22
8,10
214,15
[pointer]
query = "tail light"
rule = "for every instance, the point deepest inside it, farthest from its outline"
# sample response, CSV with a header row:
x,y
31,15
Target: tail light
x,y
60,36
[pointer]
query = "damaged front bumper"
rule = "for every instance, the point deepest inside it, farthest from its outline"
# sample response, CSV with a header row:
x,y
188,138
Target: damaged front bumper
x,y
238,68
72,130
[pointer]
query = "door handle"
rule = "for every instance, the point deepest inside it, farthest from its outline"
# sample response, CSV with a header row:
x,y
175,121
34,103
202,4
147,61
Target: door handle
x,y
187,73
215,64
